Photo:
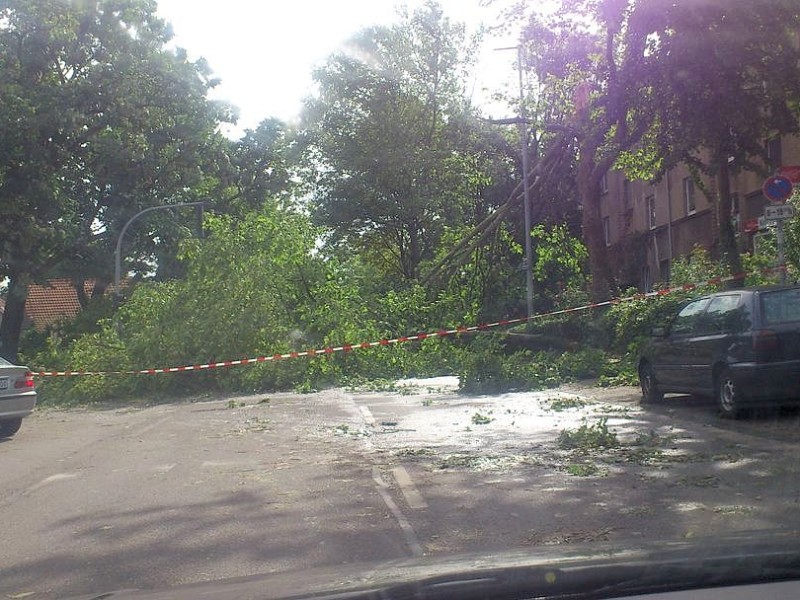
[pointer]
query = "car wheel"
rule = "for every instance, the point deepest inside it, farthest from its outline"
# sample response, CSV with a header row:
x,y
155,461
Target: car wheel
x,y
728,399
10,427
647,379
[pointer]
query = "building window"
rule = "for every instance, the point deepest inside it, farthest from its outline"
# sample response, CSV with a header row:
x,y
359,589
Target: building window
x,y
604,184
774,152
651,211
607,230
688,195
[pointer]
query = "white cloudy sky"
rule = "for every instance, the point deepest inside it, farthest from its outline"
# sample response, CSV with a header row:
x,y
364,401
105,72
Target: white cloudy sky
x,y
264,50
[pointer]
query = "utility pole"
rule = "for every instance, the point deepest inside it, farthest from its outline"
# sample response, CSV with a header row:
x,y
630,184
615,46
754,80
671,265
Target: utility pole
x,y
522,122
523,141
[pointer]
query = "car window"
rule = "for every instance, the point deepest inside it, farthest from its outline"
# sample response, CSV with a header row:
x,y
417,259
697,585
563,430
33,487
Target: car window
x,y
781,306
687,318
725,314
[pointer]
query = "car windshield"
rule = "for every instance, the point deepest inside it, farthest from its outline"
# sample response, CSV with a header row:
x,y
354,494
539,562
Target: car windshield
x,y
327,292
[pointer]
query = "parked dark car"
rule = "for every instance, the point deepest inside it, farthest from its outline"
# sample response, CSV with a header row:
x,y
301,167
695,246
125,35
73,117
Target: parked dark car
x,y
741,347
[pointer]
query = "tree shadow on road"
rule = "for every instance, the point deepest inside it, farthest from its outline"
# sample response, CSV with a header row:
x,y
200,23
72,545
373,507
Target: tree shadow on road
x,y
236,534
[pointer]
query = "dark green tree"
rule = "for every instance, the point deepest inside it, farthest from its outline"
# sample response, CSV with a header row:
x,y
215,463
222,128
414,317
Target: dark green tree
x,y
646,84
98,119
728,79
392,142
262,164
590,64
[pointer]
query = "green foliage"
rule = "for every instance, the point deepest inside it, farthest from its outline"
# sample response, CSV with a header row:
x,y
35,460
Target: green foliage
x,y
481,419
560,264
101,351
759,266
403,157
792,237
582,469
715,70
697,267
588,437
59,335
586,363
560,257
256,286
486,366
629,323
487,285
724,78
621,371
563,404
397,169
99,120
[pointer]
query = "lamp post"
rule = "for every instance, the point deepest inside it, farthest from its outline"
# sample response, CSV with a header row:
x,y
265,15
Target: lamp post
x,y
117,267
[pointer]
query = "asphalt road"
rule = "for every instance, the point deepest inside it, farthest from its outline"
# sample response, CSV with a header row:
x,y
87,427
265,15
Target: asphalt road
x,y
100,500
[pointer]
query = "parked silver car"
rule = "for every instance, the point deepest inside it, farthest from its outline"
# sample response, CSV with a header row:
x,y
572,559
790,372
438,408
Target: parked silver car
x,y
17,396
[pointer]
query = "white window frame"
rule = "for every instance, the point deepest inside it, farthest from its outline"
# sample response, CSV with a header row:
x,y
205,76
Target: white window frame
x,y
650,205
607,230
774,161
688,194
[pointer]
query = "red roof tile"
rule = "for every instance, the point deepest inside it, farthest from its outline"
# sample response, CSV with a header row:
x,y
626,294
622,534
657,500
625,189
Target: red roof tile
x,y
53,302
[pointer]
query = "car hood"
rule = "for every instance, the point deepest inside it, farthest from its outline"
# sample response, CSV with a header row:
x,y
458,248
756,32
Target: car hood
x,y
604,570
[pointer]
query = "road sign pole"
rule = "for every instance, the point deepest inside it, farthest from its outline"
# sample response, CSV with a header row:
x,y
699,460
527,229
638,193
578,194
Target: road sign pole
x,y
781,257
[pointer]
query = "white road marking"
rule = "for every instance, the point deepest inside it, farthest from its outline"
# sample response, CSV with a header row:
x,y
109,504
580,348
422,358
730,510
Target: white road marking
x,y
165,468
408,530
147,428
242,465
51,479
367,414
410,491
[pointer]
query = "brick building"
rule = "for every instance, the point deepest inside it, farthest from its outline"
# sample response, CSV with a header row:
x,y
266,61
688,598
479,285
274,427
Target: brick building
x,y
650,225
51,302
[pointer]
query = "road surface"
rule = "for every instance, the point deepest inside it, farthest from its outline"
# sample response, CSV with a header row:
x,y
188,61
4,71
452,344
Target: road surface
x,y
100,500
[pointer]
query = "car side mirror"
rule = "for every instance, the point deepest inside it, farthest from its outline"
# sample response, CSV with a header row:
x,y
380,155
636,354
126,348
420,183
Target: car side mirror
x,y
659,332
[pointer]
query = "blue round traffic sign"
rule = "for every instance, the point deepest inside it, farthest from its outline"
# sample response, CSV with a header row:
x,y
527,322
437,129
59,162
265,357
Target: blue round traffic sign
x,y
777,188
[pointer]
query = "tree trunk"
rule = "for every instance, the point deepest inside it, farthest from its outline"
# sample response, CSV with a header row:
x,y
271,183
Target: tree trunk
x,y
413,252
727,236
592,221
13,317
80,289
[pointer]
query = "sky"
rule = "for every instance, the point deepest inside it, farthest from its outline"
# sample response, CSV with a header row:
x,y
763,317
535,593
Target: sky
x,y
264,51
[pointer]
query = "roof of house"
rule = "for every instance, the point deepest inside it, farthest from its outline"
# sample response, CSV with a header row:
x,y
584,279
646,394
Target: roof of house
x,y
54,301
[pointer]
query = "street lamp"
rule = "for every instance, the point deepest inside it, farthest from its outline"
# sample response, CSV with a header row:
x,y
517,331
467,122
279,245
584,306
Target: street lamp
x,y
117,267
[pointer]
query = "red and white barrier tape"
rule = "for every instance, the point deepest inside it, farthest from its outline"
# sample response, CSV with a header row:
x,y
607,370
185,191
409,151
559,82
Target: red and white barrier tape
x,y
402,340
